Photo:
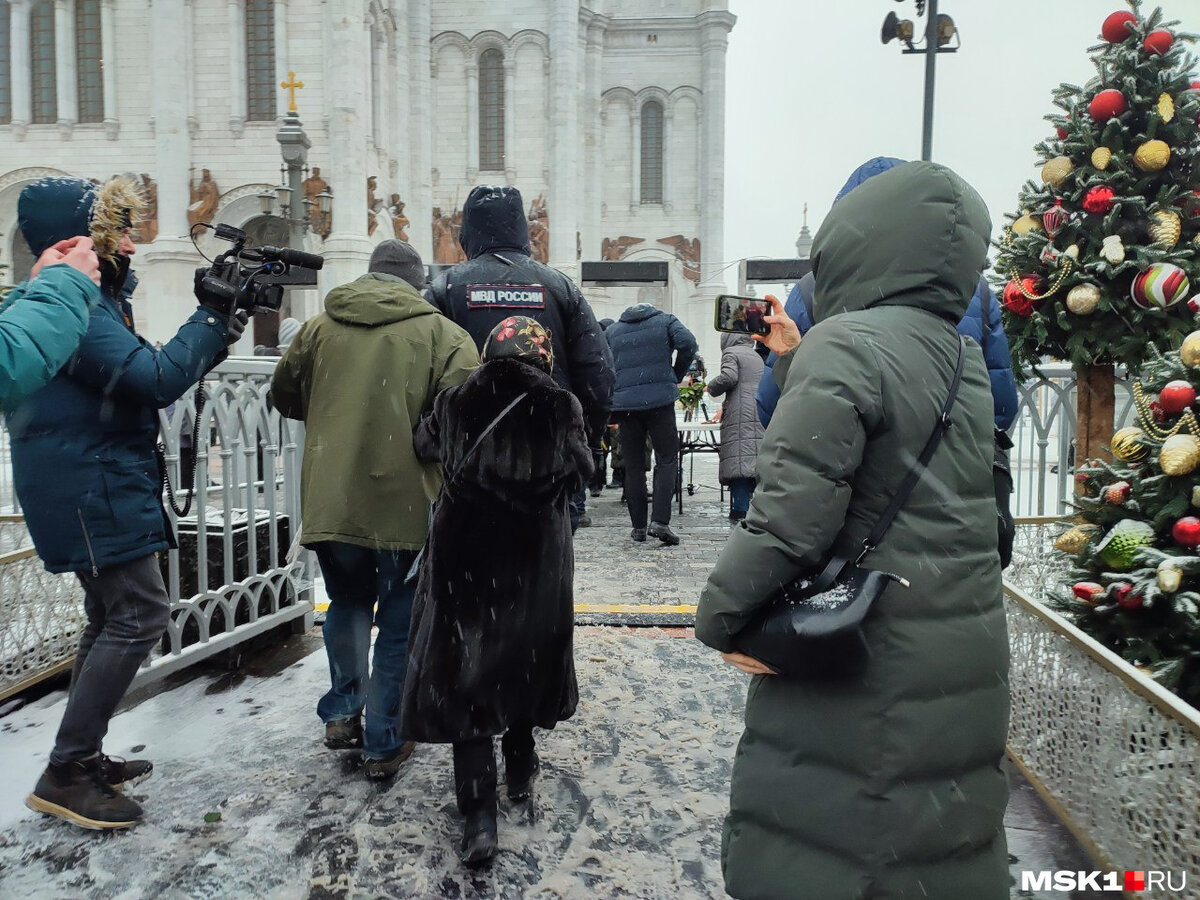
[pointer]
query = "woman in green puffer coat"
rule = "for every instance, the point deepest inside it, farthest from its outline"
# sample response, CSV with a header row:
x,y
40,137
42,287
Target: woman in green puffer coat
x,y
887,785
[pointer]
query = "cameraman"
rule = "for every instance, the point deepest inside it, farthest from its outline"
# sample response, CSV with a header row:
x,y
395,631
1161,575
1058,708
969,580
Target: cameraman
x,y
83,453
495,237
41,332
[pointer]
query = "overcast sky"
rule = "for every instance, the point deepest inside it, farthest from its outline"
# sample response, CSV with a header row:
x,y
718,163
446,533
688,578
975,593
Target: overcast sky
x,y
812,93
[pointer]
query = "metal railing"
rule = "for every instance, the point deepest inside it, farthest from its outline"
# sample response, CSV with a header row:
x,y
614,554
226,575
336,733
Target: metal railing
x,y
1113,752
1043,439
232,576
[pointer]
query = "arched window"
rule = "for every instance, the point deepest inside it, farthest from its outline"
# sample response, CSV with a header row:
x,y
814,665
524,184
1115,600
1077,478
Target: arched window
x,y
652,152
41,54
260,60
491,111
89,77
5,65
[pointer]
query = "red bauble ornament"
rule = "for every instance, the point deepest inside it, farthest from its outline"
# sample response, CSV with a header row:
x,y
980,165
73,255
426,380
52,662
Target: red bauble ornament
x,y
1186,532
1117,27
1107,105
1087,591
1015,300
1054,219
1127,598
1176,397
1158,42
1156,410
1118,493
1062,133
1099,200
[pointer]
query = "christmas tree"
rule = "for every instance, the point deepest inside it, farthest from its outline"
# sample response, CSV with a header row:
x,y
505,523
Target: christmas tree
x,y
1097,262
1136,548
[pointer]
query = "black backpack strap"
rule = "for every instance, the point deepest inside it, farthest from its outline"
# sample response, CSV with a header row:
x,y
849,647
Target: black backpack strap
x,y
915,473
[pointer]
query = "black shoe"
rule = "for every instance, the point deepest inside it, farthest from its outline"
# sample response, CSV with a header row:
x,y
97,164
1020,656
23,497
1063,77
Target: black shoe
x,y
736,515
663,533
639,535
479,841
77,793
585,521
596,491
123,773
519,773
382,769
344,734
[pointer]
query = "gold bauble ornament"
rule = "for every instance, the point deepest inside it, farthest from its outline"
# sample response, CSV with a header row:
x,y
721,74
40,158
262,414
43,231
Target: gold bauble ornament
x,y
1026,224
1152,156
1167,227
1166,107
1055,172
1170,576
1072,251
1127,445
1180,455
1101,157
1083,299
1074,541
1189,350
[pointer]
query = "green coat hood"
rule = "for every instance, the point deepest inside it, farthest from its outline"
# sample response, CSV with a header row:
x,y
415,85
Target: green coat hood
x,y
376,299
860,260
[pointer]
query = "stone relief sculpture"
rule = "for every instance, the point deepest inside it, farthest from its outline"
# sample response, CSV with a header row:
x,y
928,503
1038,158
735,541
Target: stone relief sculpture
x,y
205,196
444,238
460,255
374,205
314,184
147,229
687,252
399,219
539,230
614,249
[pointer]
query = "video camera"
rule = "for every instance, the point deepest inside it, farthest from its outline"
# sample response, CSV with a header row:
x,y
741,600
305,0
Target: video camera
x,y
247,279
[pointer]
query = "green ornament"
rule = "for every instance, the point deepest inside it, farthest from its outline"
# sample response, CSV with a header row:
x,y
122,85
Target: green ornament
x,y
1121,545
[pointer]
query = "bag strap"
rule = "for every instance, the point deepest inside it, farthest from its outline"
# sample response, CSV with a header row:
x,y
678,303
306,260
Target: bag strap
x,y
915,473
483,434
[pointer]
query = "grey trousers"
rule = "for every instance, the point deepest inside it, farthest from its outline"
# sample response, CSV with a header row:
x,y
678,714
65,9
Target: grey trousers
x,y
127,611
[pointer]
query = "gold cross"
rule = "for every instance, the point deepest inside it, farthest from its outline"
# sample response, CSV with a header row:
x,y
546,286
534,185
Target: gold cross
x,y
291,85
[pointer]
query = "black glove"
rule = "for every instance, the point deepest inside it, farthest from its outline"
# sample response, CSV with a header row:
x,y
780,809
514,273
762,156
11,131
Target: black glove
x,y
236,327
215,295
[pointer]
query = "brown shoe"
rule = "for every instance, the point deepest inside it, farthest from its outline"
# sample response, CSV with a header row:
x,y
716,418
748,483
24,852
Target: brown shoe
x,y
77,793
344,734
382,769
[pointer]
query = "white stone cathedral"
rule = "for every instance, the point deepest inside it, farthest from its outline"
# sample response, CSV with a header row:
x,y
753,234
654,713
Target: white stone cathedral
x,y
609,115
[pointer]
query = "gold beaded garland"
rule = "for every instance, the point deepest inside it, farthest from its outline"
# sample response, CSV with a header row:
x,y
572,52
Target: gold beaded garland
x,y
1063,271
1187,423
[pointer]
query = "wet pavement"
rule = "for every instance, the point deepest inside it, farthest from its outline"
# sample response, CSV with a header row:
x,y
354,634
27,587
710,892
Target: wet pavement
x,y
247,802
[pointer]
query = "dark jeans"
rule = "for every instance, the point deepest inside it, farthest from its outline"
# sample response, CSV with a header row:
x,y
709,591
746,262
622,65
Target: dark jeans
x,y
475,767
659,424
366,586
127,611
740,492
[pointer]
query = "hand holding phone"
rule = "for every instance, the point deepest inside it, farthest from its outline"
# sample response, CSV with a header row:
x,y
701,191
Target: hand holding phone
x,y
783,335
742,315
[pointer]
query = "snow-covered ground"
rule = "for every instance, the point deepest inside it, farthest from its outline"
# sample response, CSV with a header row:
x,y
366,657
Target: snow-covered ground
x,y
629,803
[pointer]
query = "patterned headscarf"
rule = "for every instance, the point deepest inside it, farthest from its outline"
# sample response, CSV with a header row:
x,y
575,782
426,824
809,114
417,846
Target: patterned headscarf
x,y
523,338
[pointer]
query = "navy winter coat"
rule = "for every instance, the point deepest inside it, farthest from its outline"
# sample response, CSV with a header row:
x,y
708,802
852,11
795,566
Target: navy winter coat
x,y
643,342
495,237
981,322
83,446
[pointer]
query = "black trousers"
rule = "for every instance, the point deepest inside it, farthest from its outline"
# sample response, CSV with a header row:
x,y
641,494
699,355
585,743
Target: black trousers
x,y
659,424
475,767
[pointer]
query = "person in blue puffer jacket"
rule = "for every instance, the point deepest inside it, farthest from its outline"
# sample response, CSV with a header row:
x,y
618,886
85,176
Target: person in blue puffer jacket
x,y
982,322
84,468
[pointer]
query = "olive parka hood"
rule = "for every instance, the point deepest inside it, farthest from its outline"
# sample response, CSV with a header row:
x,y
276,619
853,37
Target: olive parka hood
x,y
887,785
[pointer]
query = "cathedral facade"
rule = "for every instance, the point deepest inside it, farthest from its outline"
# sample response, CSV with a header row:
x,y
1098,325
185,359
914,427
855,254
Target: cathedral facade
x,y
607,114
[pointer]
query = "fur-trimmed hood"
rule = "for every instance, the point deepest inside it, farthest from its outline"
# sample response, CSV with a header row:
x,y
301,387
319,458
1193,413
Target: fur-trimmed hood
x,y
54,209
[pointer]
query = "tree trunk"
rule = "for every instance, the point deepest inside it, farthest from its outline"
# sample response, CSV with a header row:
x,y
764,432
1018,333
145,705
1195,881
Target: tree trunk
x,y
1095,410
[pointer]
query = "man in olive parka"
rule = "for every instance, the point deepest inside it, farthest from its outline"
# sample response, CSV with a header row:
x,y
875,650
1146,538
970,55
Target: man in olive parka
x,y
888,785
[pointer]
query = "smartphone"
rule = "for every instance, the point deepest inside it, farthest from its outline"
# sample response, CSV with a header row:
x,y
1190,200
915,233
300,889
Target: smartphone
x,y
742,315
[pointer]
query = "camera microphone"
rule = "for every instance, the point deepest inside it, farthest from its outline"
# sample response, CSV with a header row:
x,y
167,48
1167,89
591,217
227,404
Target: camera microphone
x,y
294,257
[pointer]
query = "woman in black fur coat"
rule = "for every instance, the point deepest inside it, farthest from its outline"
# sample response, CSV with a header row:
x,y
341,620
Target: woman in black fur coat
x,y
490,650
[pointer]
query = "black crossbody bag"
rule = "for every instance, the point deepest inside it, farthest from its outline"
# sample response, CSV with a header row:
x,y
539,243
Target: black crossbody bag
x,y
813,628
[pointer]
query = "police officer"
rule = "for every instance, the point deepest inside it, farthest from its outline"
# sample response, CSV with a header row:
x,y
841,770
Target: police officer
x,y
500,279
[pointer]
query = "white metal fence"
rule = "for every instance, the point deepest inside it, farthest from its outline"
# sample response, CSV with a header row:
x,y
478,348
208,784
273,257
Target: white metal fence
x,y
231,577
1116,754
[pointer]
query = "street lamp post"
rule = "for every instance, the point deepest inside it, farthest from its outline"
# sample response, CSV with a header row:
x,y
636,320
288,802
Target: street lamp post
x,y
939,32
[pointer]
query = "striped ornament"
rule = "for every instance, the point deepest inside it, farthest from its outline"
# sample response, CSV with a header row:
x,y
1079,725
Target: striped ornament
x,y
1160,286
